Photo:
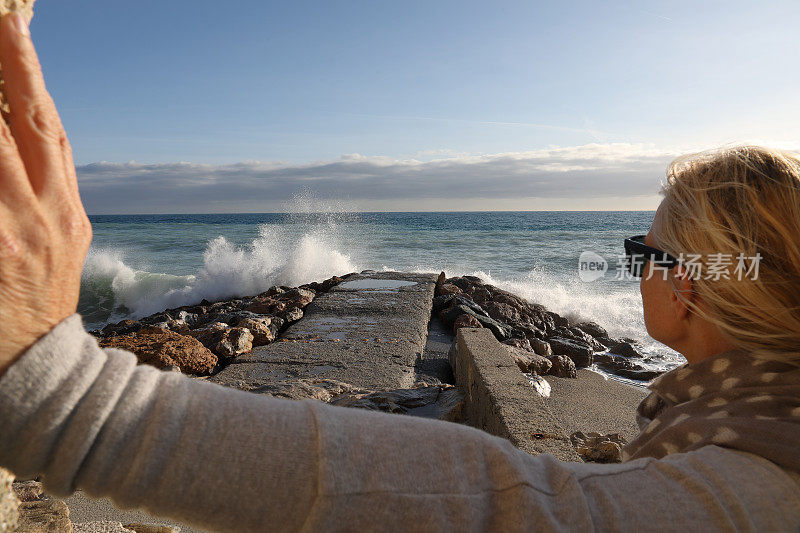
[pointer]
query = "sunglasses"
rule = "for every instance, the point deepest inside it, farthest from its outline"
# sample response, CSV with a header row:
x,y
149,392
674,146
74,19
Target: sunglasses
x,y
637,254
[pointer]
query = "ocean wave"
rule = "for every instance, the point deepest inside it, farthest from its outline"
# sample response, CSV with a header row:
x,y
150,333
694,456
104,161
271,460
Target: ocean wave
x,y
112,290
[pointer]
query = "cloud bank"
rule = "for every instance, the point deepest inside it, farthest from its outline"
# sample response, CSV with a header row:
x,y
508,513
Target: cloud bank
x,y
606,176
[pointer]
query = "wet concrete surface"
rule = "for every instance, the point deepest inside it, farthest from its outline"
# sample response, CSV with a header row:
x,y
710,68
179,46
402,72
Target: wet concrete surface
x,y
370,331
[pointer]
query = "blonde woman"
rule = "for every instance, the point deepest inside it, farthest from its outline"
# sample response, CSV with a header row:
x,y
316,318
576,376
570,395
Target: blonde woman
x,y
718,450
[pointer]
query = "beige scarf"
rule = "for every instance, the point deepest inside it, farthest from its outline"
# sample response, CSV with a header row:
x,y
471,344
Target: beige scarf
x,y
731,400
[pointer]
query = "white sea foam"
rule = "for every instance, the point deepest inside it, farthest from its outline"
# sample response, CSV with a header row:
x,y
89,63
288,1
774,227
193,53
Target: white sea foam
x,y
279,256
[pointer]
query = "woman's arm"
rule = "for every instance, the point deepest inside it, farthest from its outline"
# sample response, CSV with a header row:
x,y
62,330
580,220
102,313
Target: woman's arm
x,y
228,460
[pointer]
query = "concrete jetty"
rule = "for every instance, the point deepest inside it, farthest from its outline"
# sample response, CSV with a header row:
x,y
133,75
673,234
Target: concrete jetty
x,y
369,331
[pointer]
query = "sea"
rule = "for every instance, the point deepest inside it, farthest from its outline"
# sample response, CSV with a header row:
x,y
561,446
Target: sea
x,y
142,264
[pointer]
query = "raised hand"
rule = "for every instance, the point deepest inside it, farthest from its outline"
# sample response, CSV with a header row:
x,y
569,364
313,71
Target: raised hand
x,y
44,231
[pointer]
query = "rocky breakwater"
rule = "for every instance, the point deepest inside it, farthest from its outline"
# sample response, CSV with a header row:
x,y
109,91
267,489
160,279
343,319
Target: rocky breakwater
x,y
202,339
540,341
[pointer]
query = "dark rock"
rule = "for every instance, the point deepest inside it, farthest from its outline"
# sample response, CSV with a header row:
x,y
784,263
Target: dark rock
x,y
624,348
441,280
298,297
593,329
265,305
563,367
640,375
162,349
579,351
442,302
449,316
466,321
459,299
597,448
121,328
558,320
516,342
448,288
503,312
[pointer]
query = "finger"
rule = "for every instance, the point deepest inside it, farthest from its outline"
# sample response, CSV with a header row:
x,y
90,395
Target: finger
x,y
15,189
34,120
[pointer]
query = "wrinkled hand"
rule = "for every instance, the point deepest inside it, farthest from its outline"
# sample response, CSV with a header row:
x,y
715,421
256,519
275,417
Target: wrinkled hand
x,y
44,231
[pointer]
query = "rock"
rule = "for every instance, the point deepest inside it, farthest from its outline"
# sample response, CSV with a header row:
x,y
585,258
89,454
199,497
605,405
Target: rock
x,y
540,385
262,329
558,320
466,321
28,491
449,316
265,305
50,516
640,375
146,528
442,302
529,330
563,367
100,526
450,404
121,328
625,349
9,503
297,297
580,352
529,361
449,288
503,312
517,342
292,315
593,329
597,448
541,347
162,349
223,340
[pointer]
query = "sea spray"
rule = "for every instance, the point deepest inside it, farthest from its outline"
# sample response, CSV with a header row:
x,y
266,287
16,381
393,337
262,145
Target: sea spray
x,y
110,289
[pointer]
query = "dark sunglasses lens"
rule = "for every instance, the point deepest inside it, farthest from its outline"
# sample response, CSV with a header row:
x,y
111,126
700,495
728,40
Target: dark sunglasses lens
x,y
636,264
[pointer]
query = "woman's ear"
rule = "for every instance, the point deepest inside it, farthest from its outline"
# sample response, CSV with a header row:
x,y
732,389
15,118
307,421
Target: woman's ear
x,y
682,292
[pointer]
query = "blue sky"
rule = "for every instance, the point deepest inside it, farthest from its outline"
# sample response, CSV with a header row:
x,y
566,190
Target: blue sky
x,y
189,91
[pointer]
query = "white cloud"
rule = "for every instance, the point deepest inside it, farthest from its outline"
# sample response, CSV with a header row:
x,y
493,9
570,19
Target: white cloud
x,y
607,175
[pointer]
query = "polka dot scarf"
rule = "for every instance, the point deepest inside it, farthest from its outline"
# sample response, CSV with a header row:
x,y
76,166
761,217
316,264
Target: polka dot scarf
x,y
731,400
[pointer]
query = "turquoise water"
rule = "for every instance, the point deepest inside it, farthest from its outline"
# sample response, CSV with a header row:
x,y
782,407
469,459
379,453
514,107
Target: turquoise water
x,y
145,263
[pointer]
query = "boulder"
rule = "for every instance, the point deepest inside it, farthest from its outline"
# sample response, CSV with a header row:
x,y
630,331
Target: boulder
x,y
449,316
162,349
448,288
541,347
466,321
625,349
563,367
9,503
223,340
593,328
292,315
597,448
297,297
529,361
265,305
503,312
261,327
517,342
579,351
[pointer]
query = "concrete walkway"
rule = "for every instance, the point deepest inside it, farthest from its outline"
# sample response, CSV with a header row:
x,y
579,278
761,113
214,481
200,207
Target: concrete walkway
x,y
369,331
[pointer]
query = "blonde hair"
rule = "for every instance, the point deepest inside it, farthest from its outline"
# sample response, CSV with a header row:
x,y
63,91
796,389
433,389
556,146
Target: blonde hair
x,y
741,200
